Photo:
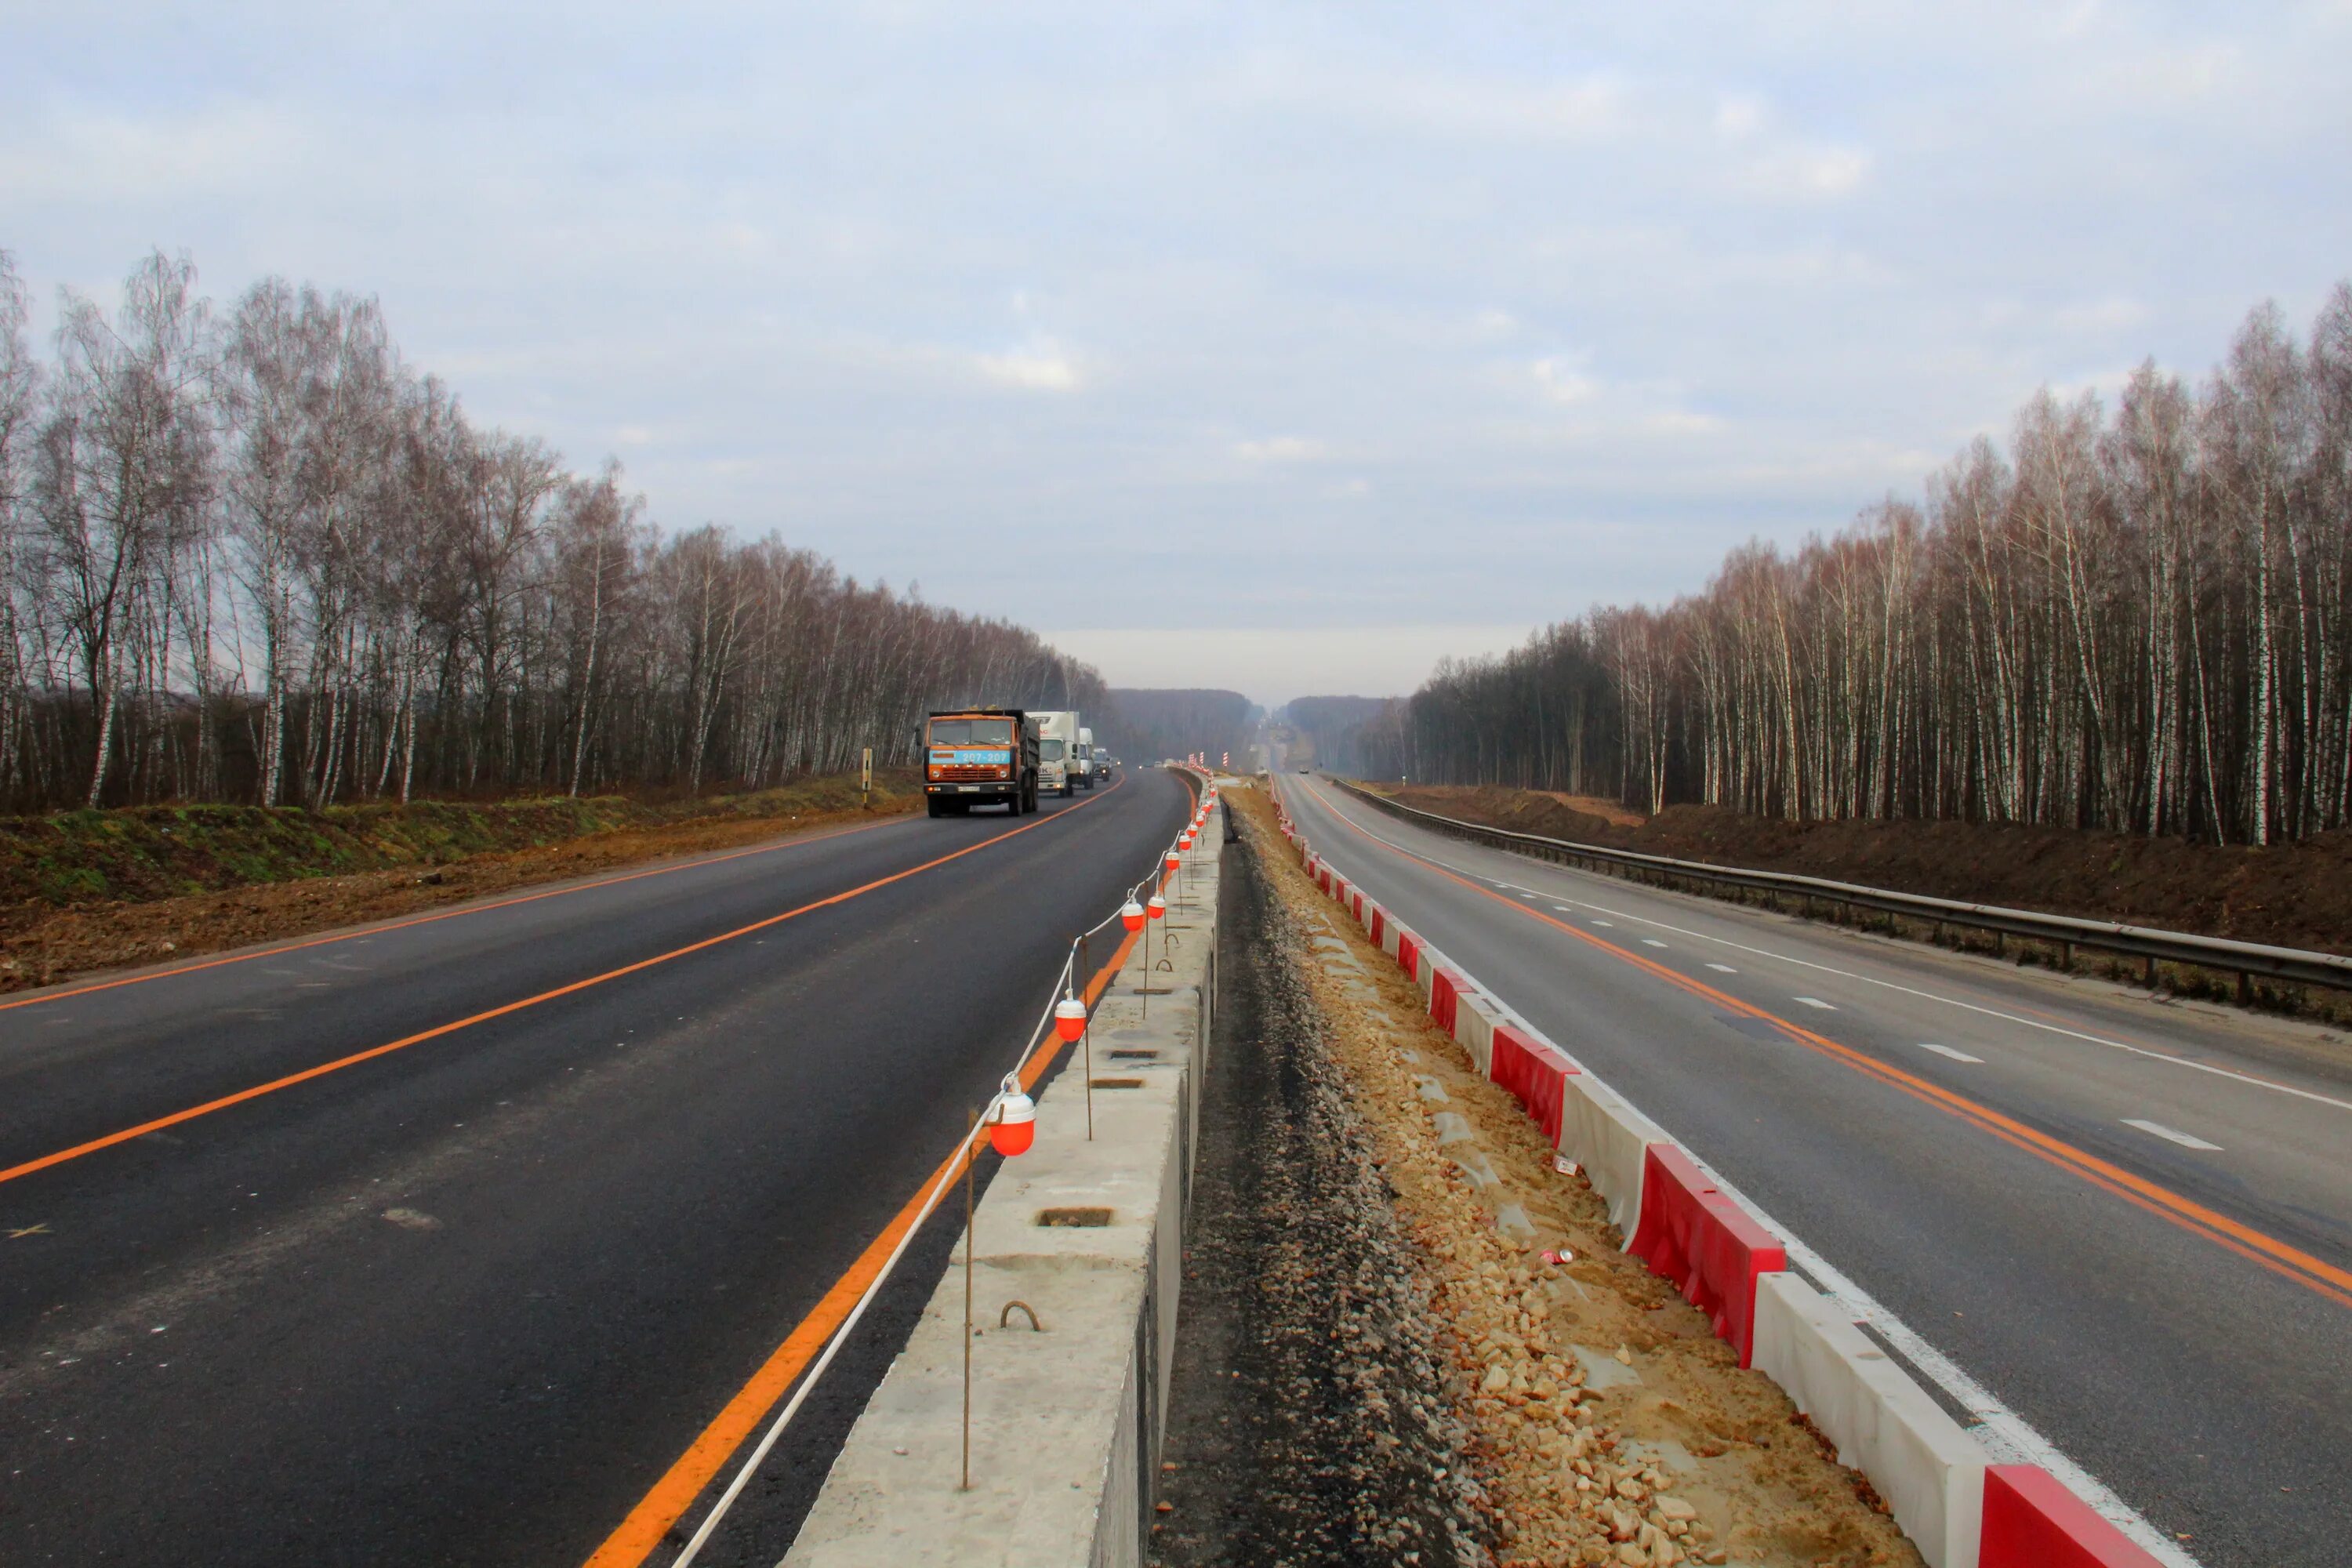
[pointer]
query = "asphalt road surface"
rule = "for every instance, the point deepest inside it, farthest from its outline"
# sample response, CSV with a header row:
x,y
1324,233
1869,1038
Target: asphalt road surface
x,y
2127,1219
468,1299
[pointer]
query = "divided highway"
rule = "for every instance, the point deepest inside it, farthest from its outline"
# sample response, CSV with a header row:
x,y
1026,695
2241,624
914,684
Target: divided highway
x,y
444,1240
2127,1221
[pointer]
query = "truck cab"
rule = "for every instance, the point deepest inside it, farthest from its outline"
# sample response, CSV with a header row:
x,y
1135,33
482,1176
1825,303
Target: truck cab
x,y
1057,750
979,756
1090,769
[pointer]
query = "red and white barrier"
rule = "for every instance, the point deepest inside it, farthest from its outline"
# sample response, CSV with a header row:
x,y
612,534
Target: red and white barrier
x,y
1708,1245
1475,1021
2031,1520
1536,1073
1612,1141
1959,1509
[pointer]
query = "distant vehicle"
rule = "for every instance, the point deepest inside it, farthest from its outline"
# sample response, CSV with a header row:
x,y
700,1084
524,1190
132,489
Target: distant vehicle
x,y
1057,755
1306,767
979,756
1088,770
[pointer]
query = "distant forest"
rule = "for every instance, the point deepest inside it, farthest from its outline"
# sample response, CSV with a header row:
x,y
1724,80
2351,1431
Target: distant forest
x,y
254,555
1149,725
2136,616
1337,727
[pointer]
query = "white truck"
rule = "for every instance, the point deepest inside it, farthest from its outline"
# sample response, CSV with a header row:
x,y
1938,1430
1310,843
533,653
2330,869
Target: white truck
x,y
1089,766
1057,750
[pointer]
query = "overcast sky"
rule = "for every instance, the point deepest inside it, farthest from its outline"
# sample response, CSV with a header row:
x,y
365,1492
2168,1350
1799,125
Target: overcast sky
x,y
1358,333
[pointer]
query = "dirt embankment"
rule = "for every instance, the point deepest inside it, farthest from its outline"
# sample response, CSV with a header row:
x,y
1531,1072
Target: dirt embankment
x,y
1601,1419
2296,895
97,890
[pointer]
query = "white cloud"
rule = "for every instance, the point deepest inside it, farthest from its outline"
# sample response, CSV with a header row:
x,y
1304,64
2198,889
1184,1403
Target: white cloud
x,y
1428,98
1279,450
1042,367
88,156
1813,173
2113,315
1563,379
1739,116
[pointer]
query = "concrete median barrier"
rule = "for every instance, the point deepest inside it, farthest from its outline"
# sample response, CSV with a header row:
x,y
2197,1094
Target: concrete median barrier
x,y
1087,1236
1475,1020
1408,953
1612,1141
1445,987
1930,1472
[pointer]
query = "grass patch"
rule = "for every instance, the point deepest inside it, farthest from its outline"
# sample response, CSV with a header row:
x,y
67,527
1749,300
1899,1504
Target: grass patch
x,y
141,853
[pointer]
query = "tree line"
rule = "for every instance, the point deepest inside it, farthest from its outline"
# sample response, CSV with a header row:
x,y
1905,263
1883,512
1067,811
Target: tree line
x,y
1150,724
1335,728
256,556
2137,616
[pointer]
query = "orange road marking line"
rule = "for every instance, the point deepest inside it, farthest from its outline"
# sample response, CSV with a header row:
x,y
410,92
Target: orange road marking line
x,y
258,1090
648,1523
2313,1273
470,909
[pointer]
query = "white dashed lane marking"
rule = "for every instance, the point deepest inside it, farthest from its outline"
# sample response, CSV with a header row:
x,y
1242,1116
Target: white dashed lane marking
x,y
1723,969
1947,1051
2186,1140
1814,1002
1604,922
1652,941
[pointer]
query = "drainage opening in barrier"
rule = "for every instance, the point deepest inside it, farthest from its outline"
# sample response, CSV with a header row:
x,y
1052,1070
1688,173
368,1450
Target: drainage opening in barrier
x,y
1075,1218
1135,1055
1117,1083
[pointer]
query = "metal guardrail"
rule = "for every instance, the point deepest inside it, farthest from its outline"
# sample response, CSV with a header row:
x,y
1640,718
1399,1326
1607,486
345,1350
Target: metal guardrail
x,y
2246,960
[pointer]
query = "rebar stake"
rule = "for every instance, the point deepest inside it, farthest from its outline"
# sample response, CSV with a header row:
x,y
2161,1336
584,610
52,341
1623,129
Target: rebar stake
x,y
972,1131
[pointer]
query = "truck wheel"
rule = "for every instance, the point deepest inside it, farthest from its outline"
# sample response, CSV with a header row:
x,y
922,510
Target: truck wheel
x,y
938,806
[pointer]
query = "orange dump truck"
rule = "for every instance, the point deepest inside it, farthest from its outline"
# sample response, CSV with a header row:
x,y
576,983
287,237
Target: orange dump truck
x,y
979,756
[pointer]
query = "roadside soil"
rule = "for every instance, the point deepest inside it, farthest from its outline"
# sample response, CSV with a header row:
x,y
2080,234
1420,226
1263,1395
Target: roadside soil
x,y
43,942
1604,1421
2296,895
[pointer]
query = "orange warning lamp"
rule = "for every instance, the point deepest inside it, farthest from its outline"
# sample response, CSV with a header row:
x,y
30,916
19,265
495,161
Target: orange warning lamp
x,y
1158,908
1171,860
1012,1124
1130,915
1069,1018
1184,841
